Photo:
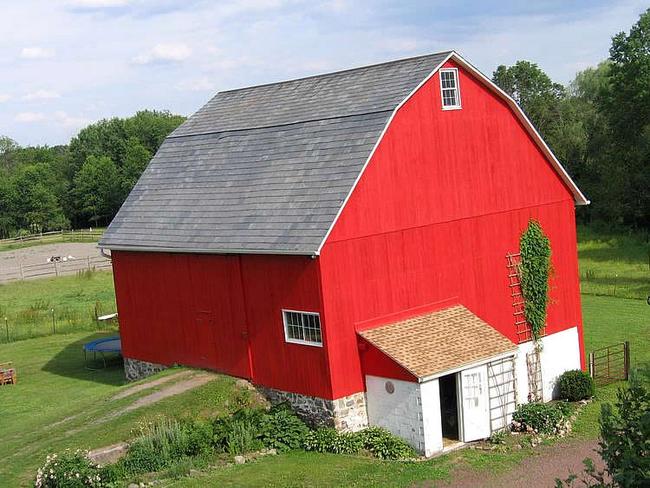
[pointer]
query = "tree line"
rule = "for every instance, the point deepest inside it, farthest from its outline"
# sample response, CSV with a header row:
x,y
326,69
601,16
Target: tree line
x,y
81,184
598,126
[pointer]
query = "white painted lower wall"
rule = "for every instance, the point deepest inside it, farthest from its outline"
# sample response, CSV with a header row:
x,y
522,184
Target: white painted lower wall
x,y
400,412
560,353
411,412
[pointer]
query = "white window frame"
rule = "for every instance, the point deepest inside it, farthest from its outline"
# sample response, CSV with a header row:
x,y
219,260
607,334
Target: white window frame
x,y
301,341
458,104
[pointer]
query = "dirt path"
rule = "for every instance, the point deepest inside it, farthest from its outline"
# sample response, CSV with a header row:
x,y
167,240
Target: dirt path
x,y
171,390
539,470
187,380
149,384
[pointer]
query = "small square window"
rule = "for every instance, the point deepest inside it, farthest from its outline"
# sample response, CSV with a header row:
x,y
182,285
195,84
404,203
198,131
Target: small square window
x,y
302,328
449,88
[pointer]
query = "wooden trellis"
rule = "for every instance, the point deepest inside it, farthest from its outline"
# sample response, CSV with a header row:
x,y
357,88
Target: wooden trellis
x,y
523,328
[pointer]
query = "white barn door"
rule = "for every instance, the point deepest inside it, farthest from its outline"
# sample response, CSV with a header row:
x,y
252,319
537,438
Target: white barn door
x,y
474,403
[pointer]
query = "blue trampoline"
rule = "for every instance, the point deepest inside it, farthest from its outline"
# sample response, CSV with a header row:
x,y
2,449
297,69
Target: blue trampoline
x,y
103,346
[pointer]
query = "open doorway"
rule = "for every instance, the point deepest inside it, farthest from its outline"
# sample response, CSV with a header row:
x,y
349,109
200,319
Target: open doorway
x,y
449,409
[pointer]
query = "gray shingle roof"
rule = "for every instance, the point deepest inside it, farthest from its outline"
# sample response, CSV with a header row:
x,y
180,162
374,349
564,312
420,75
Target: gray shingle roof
x,y
264,169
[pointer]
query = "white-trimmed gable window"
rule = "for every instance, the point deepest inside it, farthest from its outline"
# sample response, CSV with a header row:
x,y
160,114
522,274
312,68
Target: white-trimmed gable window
x,y
449,88
302,327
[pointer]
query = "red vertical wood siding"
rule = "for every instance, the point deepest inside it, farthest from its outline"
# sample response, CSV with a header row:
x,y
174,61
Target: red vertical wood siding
x,y
222,313
444,198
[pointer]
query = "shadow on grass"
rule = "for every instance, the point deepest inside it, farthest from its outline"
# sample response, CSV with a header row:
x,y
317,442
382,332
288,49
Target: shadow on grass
x,y
619,253
70,362
637,286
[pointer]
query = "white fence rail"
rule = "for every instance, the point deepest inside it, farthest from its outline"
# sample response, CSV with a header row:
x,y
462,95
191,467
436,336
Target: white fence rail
x,y
73,235
31,271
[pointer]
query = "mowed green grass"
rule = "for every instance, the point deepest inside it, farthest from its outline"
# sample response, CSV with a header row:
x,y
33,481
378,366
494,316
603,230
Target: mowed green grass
x,y
28,305
58,403
607,320
614,264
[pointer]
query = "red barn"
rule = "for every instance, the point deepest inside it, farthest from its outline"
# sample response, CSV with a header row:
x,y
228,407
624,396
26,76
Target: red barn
x,y
346,242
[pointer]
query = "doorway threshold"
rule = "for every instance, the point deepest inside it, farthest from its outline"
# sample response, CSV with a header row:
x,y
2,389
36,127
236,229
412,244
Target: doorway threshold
x,y
449,445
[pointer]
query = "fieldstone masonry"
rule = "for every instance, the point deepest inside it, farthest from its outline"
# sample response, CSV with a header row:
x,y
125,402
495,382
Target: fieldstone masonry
x,y
134,369
347,414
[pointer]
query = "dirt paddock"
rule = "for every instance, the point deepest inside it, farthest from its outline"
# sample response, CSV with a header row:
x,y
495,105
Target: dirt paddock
x,y
35,259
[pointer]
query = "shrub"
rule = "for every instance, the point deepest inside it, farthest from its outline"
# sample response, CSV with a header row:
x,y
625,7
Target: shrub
x,y
384,445
327,439
575,385
70,470
498,437
320,440
544,418
240,432
200,436
625,433
281,429
376,440
158,445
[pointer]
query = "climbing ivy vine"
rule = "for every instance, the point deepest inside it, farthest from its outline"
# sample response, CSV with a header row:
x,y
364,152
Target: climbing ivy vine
x,y
535,249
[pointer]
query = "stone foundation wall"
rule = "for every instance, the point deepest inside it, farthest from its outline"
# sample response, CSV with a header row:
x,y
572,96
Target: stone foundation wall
x,y
134,369
347,414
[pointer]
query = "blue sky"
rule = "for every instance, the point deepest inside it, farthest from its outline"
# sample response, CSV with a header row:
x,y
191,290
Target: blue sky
x,y
67,63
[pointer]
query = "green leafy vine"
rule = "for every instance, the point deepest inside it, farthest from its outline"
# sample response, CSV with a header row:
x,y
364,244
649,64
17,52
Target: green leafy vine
x,y
535,269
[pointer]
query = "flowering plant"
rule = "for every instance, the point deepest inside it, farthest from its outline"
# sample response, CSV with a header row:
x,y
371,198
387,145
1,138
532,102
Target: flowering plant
x,y
72,469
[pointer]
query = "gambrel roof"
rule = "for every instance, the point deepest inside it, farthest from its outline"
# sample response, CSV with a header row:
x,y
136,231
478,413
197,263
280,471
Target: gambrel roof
x,y
268,169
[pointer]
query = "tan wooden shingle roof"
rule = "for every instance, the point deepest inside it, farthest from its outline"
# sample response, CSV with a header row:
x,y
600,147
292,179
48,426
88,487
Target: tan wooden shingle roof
x,y
439,341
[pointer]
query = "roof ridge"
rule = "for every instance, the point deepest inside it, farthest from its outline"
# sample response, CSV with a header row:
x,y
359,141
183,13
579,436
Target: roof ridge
x,y
337,72
285,124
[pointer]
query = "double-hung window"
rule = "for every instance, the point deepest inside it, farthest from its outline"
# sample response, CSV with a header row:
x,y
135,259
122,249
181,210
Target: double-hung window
x,y
302,327
449,89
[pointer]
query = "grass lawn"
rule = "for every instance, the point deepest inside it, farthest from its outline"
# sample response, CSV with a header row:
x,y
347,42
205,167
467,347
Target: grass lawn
x,y
58,403
28,305
614,264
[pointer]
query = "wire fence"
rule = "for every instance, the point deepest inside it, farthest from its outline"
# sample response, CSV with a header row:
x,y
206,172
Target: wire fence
x,y
80,235
55,268
41,320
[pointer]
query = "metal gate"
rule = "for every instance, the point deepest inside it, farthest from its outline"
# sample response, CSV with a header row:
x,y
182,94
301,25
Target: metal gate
x,y
611,363
502,391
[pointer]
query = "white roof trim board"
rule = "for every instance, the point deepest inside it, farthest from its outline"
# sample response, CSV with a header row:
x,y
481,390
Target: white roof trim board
x,y
269,169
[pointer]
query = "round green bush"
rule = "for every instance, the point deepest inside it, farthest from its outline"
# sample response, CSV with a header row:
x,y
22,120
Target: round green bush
x,y
575,385
544,418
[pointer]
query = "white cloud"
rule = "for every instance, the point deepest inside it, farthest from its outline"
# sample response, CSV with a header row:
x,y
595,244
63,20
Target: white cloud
x,y
164,53
97,4
70,121
4,97
196,84
41,95
30,117
405,45
36,52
